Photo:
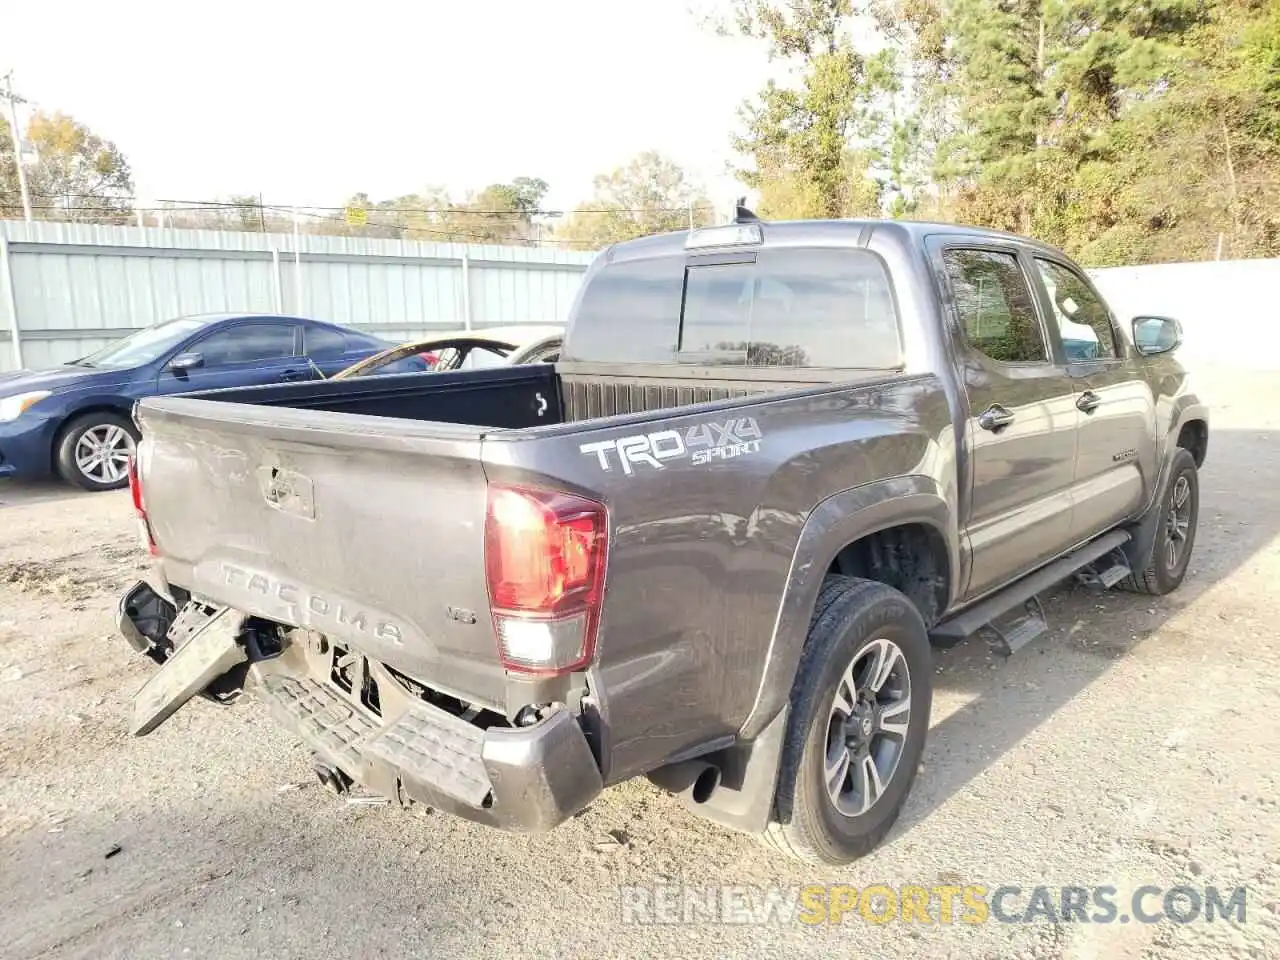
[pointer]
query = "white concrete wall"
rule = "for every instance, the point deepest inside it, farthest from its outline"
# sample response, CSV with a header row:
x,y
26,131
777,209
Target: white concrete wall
x,y
1229,310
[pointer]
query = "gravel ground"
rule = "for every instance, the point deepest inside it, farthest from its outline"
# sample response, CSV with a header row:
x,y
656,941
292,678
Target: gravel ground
x,y
1135,744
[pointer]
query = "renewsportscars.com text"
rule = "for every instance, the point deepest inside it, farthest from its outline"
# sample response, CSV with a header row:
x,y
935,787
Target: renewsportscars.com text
x,y
815,904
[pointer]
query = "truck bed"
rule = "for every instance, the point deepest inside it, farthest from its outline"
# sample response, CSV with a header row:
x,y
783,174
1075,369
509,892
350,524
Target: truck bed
x,y
502,397
265,498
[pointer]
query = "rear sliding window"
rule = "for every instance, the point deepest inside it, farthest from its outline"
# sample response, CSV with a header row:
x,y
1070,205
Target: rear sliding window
x,y
790,308
629,313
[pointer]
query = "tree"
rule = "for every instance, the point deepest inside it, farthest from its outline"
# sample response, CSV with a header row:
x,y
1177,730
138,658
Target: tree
x,y
245,213
527,194
649,194
501,213
77,175
1120,131
1002,107
1194,170
1063,106
815,145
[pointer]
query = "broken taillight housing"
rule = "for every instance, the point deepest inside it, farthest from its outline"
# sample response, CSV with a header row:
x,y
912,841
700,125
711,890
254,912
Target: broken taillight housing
x,y
144,525
545,558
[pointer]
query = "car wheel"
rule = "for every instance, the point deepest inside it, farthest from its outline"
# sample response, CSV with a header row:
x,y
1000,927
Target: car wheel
x,y
1176,536
859,715
94,451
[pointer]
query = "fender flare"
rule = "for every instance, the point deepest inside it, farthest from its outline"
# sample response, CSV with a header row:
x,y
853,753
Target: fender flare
x,y
1146,528
835,522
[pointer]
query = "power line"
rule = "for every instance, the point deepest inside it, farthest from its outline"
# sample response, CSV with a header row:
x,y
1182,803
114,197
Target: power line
x,y
455,223
460,209
440,231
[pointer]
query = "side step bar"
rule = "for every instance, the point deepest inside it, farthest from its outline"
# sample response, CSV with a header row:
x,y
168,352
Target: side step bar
x,y
1022,593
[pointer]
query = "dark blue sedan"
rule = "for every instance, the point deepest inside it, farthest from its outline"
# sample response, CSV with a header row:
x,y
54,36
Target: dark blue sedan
x,y
74,420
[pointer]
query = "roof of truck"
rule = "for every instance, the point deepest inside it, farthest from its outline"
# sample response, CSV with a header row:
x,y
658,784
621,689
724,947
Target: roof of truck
x,y
837,232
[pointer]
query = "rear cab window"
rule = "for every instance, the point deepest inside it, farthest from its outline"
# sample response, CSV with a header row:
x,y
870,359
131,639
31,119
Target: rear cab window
x,y
629,312
784,309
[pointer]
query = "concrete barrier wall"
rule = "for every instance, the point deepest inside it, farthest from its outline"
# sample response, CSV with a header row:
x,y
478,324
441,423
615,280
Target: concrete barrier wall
x,y
1229,310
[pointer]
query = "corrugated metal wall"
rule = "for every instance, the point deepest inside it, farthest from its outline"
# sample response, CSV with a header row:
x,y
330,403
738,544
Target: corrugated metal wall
x,y
72,288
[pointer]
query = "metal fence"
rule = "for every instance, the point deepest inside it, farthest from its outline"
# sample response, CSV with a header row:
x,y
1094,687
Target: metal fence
x,y
68,289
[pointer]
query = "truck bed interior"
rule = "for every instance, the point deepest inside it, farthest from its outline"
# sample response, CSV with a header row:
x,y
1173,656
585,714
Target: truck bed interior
x,y
502,397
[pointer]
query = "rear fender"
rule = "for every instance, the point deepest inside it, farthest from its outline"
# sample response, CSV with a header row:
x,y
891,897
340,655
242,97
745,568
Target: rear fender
x,y
833,524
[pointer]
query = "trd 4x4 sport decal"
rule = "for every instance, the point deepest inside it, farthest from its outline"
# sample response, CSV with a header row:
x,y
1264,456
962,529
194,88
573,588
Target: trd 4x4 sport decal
x,y
699,444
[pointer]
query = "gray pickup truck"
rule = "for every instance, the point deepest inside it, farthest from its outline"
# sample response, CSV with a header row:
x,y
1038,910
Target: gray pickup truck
x,y
712,544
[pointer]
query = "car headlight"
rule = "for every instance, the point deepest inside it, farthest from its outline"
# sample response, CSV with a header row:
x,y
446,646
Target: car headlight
x,y
13,407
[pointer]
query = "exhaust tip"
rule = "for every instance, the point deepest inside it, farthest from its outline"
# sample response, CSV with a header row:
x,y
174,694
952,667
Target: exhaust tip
x,y
705,785
332,779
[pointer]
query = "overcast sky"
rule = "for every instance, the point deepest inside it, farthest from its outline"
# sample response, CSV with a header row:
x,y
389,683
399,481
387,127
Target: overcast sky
x,y
310,102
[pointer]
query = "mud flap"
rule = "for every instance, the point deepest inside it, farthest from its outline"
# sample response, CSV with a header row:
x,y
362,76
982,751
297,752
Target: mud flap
x,y
212,649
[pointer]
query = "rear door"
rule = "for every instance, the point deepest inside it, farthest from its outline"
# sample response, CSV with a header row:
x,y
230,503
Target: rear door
x,y
1116,423
240,355
330,351
1021,429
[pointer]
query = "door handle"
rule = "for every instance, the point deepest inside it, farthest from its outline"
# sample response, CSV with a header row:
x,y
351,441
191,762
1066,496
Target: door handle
x,y
291,375
1088,401
995,418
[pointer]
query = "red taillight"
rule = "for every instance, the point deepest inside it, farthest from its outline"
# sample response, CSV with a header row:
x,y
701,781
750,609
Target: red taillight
x,y
545,556
135,491
135,488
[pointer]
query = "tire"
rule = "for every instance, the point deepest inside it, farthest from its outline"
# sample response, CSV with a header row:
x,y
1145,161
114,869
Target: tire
x,y
1165,570
116,431
853,620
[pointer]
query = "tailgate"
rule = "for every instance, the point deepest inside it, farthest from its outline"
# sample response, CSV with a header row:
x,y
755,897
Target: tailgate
x,y
368,529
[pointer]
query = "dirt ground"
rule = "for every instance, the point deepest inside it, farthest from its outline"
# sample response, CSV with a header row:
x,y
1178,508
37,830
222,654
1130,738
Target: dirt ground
x,y
1138,743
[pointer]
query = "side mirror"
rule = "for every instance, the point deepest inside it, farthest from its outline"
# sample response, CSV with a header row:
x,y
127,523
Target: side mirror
x,y
1153,335
186,361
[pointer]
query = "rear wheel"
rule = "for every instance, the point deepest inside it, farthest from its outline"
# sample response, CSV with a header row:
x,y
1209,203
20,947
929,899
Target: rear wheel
x,y
1176,536
94,451
859,715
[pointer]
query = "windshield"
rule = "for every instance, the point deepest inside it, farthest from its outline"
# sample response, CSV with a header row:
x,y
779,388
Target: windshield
x,y
143,346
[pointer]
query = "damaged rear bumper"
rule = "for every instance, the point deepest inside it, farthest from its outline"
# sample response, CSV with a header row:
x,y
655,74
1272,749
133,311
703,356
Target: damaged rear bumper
x,y
526,779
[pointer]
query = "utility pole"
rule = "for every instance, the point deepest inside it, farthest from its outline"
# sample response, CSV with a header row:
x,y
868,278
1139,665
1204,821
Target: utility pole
x,y
297,265
13,100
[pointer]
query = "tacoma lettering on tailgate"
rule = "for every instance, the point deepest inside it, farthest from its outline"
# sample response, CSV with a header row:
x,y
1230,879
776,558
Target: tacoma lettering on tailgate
x,y
272,597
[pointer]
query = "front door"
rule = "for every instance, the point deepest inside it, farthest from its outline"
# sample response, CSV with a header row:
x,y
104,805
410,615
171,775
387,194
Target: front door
x,y
1020,434
1116,465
